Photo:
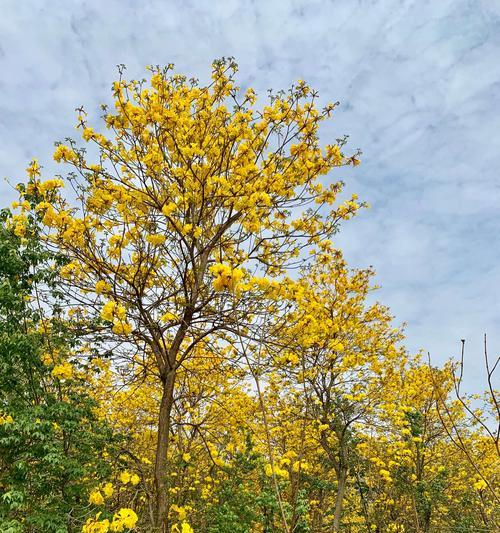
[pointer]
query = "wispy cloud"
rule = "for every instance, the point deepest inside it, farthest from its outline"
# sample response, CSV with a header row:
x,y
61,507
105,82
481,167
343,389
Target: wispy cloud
x,y
419,83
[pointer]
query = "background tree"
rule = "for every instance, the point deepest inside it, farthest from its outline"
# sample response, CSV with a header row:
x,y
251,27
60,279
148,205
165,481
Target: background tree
x,y
338,357
51,442
472,424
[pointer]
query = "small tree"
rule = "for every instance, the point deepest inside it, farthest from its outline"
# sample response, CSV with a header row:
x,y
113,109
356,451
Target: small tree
x,y
339,356
51,442
474,430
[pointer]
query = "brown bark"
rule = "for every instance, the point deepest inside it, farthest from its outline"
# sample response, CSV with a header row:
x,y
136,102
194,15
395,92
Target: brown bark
x,y
339,497
340,464
161,463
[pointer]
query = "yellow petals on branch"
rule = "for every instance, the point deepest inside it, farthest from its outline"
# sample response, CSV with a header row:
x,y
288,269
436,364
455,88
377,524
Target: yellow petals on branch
x,y
47,359
33,169
480,484
50,185
94,525
68,271
168,208
108,490
87,134
6,419
64,153
278,472
63,371
96,498
181,512
113,310
122,328
125,477
156,239
386,475
107,312
116,313
300,466
169,317
226,277
123,519
102,287
334,154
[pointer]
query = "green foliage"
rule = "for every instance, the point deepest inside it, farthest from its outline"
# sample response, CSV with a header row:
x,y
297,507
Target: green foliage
x,y
51,443
238,507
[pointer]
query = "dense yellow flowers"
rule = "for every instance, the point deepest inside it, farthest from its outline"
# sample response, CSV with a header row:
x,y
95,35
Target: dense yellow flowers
x,y
63,371
226,277
102,287
63,153
277,471
156,239
125,477
480,484
113,312
108,490
96,498
202,248
123,520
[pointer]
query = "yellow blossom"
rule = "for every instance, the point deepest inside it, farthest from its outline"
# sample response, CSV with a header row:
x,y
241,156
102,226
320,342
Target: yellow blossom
x,y
125,477
108,490
102,287
96,497
62,371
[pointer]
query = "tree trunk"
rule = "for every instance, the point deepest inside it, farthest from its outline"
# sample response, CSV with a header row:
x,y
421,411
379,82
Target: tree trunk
x,y
161,463
339,498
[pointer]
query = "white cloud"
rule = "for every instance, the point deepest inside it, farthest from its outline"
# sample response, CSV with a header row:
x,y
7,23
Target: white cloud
x,y
420,86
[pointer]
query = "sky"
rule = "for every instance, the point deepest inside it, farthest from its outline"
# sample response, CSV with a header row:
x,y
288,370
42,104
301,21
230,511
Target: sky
x,y
419,87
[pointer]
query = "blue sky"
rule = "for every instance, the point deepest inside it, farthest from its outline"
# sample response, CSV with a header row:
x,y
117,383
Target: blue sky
x,y
419,84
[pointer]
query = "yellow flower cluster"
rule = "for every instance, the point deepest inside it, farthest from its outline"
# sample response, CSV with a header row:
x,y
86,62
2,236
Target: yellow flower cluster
x,y
278,471
126,477
50,185
185,528
480,484
169,317
64,153
63,370
156,239
33,169
6,419
182,526
226,277
102,287
116,313
124,520
97,496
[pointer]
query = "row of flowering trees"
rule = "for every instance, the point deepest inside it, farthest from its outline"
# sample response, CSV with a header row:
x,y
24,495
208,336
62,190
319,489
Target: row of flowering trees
x,y
200,355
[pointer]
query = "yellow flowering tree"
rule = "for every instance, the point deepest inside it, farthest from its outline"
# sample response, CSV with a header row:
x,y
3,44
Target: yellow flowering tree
x,y
175,217
337,357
